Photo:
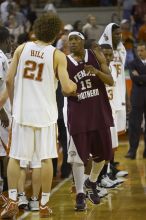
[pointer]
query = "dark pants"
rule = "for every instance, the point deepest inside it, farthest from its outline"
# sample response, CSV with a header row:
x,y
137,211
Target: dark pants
x,y
65,167
3,167
135,120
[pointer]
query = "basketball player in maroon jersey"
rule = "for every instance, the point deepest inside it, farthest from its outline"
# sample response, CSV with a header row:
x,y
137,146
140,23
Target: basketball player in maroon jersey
x,y
89,116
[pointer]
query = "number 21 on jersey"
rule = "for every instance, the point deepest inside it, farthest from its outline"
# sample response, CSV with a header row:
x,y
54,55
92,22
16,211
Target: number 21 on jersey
x,y
33,70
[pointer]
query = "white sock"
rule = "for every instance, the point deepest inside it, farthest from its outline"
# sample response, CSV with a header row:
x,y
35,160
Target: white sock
x,y
45,198
108,168
13,194
78,173
95,171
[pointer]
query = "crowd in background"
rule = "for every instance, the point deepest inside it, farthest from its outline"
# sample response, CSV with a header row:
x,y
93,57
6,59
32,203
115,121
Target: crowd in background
x,y
18,17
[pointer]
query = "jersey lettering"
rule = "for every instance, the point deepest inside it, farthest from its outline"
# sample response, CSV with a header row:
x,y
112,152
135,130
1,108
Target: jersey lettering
x,y
86,84
31,67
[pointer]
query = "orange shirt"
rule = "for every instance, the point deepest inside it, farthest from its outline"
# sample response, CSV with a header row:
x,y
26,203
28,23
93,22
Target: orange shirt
x,y
128,39
142,33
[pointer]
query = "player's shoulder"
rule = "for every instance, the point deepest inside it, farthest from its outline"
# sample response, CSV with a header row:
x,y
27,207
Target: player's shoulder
x,y
19,49
59,54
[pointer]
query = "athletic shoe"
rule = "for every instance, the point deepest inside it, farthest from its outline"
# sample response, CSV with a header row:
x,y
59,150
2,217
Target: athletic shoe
x,y
10,209
102,192
107,183
122,173
92,192
130,155
3,200
118,173
22,201
33,205
80,202
45,211
116,180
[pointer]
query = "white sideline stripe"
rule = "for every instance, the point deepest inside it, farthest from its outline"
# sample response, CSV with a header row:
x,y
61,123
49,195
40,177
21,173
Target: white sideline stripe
x,y
54,190
25,214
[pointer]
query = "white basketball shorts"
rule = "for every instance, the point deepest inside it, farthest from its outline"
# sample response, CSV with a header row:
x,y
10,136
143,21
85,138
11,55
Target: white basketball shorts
x,y
120,120
29,142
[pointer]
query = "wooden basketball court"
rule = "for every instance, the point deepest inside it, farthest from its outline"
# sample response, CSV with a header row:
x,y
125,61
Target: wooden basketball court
x,y
126,202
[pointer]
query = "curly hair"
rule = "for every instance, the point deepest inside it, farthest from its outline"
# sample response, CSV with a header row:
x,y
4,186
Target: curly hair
x,y
47,27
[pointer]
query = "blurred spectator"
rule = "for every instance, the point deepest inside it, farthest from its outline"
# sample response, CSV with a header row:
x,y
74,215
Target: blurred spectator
x,y
27,9
49,7
31,15
4,9
19,16
115,18
87,23
14,28
128,40
62,43
77,26
127,7
93,31
137,14
142,31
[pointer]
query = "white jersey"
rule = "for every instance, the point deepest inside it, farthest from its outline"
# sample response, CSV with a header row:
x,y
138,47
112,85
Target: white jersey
x,y
120,88
111,89
34,101
3,71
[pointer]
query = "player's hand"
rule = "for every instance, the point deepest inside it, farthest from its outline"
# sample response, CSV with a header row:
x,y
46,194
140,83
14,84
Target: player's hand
x,y
4,118
74,93
135,73
99,54
89,69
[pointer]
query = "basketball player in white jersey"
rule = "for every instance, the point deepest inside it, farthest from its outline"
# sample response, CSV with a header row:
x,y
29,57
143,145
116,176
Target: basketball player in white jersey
x,y
5,47
31,83
112,35
106,181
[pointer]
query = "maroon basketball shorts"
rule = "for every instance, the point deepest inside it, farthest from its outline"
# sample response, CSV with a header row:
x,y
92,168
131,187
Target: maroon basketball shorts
x,y
96,144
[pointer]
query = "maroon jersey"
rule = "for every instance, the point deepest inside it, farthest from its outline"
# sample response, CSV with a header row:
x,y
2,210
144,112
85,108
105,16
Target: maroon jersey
x,y
90,110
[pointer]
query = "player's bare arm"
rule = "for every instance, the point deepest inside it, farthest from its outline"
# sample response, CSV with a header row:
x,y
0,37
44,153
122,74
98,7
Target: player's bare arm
x,y
60,66
12,72
106,78
3,97
102,60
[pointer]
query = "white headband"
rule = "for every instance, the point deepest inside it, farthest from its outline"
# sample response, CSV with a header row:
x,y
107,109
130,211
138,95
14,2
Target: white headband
x,y
77,34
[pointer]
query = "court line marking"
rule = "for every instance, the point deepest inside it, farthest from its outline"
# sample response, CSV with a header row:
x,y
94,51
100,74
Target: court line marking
x,y
54,190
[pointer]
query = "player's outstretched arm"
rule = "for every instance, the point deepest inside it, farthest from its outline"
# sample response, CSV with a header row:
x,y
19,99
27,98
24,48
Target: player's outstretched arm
x,y
60,65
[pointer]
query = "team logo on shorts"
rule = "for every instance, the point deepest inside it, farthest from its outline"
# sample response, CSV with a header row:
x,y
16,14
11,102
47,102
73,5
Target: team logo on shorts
x,y
72,153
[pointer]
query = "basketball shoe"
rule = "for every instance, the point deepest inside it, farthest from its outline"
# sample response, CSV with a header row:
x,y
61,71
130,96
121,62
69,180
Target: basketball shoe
x,y
10,209
45,211
92,192
80,202
3,199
